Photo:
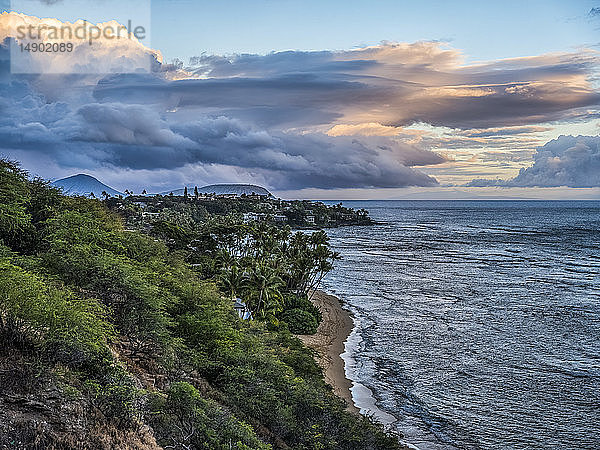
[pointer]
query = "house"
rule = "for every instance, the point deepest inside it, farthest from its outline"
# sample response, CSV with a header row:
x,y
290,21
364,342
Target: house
x,y
310,219
150,215
250,217
227,196
253,217
280,218
243,311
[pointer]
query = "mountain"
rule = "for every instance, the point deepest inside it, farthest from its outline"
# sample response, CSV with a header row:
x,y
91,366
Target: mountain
x,y
85,185
221,189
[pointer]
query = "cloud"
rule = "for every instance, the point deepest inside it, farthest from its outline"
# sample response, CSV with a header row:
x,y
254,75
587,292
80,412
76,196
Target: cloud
x,y
572,161
506,131
95,56
293,120
136,137
391,84
135,127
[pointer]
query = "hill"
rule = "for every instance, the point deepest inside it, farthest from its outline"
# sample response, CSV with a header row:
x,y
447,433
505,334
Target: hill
x,y
85,185
118,336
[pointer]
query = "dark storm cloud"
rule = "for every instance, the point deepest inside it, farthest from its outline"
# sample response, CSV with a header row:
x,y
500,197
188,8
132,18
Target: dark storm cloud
x,y
289,100
572,161
393,84
136,137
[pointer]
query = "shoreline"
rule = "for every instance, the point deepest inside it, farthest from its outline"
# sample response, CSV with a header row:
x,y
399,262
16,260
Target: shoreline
x,y
336,331
329,343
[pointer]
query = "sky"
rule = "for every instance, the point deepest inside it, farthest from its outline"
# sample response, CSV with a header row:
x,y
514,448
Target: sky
x,y
331,100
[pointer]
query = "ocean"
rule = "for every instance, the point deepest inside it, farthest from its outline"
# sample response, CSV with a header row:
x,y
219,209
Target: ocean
x,y
477,322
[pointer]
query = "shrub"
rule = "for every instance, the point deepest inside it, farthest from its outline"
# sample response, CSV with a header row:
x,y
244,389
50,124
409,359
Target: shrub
x,y
183,419
300,321
114,392
71,328
14,195
301,301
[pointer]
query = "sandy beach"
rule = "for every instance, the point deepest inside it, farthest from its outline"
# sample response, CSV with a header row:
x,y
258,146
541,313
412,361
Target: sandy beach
x,y
329,344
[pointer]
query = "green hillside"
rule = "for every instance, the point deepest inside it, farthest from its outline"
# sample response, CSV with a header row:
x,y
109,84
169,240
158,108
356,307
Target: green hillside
x,y
114,338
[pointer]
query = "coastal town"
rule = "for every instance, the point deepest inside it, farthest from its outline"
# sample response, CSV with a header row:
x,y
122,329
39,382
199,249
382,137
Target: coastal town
x,y
144,210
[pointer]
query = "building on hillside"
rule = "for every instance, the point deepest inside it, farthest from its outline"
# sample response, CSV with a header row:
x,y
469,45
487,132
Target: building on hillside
x,y
254,217
227,195
242,309
250,217
310,219
151,216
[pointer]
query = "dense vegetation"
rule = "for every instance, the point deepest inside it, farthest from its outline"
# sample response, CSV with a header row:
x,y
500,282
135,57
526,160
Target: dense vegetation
x,y
121,338
188,209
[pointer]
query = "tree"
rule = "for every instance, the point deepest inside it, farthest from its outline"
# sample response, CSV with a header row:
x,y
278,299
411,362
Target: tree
x,y
105,195
182,402
196,192
309,259
233,280
266,284
14,197
51,316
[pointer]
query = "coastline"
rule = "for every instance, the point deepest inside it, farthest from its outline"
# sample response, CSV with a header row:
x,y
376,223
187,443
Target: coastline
x,y
336,330
329,343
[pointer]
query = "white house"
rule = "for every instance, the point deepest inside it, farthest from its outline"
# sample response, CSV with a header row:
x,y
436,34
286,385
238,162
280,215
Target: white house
x,y
243,311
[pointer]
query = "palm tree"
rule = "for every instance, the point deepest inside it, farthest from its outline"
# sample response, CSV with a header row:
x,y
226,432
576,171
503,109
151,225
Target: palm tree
x,y
266,283
233,280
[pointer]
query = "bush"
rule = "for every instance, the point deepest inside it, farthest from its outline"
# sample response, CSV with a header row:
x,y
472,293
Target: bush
x,y
300,321
72,329
301,301
184,419
115,394
15,221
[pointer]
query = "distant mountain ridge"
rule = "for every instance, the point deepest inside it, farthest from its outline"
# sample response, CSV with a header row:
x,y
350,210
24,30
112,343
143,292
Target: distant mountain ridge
x,y
86,185
222,189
